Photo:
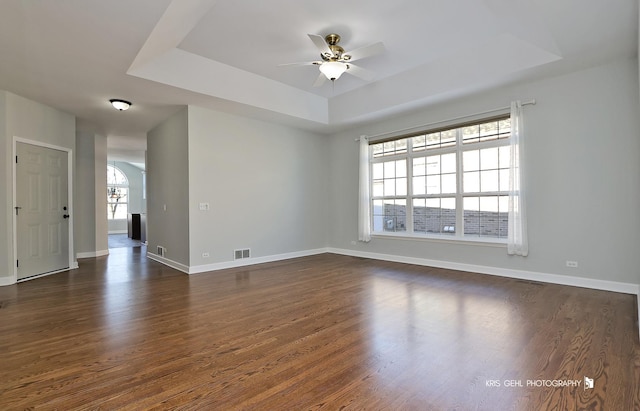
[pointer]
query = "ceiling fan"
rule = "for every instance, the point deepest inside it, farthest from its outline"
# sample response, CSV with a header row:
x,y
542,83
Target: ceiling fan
x,y
335,61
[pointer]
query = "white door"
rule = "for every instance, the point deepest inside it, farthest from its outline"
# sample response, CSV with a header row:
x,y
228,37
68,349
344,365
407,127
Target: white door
x,y
42,212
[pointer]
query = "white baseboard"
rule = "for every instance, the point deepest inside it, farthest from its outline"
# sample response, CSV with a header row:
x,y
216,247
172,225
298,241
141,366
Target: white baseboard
x,y
7,280
93,254
196,269
619,287
625,288
256,260
173,264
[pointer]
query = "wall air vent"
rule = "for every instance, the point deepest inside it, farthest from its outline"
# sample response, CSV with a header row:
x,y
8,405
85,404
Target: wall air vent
x,y
240,254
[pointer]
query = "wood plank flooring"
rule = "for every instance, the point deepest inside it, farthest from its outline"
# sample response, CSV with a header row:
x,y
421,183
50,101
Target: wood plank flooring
x,y
122,241
322,332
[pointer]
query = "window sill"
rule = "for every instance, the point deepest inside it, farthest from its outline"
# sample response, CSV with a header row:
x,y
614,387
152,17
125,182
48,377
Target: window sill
x,y
478,241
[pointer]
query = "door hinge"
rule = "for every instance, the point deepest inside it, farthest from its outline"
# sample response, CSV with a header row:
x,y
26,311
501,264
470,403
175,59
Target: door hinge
x,y
17,263
16,159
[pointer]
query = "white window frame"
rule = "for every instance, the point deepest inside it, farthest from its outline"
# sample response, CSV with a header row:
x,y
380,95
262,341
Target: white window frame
x,y
459,148
126,202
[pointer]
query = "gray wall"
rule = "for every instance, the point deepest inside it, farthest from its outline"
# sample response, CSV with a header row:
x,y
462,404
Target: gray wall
x,y
85,199
101,228
582,154
34,121
90,211
6,202
266,185
168,185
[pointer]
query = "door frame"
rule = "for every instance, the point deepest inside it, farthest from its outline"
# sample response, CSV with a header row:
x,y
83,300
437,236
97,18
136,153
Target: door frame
x,y
72,262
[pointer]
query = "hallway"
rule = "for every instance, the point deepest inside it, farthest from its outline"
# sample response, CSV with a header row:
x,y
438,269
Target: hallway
x,y
122,241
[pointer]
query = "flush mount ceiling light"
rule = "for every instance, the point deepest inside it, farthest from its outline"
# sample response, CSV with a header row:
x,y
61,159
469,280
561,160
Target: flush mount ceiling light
x,y
120,104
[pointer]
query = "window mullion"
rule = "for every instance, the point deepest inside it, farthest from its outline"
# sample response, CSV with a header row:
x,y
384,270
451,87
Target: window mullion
x,y
371,197
459,189
409,217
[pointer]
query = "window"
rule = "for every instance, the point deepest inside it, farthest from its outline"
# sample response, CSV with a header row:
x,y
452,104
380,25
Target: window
x,y
450,182
117,191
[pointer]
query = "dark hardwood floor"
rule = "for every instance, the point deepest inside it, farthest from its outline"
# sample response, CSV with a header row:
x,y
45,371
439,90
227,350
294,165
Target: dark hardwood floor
x,y
323,332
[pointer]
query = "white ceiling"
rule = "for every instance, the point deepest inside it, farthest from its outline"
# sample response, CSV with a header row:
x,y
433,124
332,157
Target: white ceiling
x,y
224,54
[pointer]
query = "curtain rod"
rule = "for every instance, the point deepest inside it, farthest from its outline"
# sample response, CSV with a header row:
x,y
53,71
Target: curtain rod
x,y
524,103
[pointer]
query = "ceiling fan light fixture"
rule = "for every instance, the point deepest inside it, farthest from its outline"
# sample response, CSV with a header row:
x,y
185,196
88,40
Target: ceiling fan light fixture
x,y
333,69
120,104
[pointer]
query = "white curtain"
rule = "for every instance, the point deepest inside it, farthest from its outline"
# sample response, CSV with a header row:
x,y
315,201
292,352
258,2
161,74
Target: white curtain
x,y
517,243
364,196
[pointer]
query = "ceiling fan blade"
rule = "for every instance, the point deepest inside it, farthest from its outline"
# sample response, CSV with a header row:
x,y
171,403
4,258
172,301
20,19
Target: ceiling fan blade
x,y
308,63
320,44
359,72
320,80
366,51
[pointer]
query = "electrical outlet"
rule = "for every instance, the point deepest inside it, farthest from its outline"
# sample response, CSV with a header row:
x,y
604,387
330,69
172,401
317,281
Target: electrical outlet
x,y
205,255
572,264
204,206
354,242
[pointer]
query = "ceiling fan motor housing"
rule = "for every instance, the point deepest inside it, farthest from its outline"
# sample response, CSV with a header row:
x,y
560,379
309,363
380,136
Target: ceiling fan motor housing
x,y
338,52
332,39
